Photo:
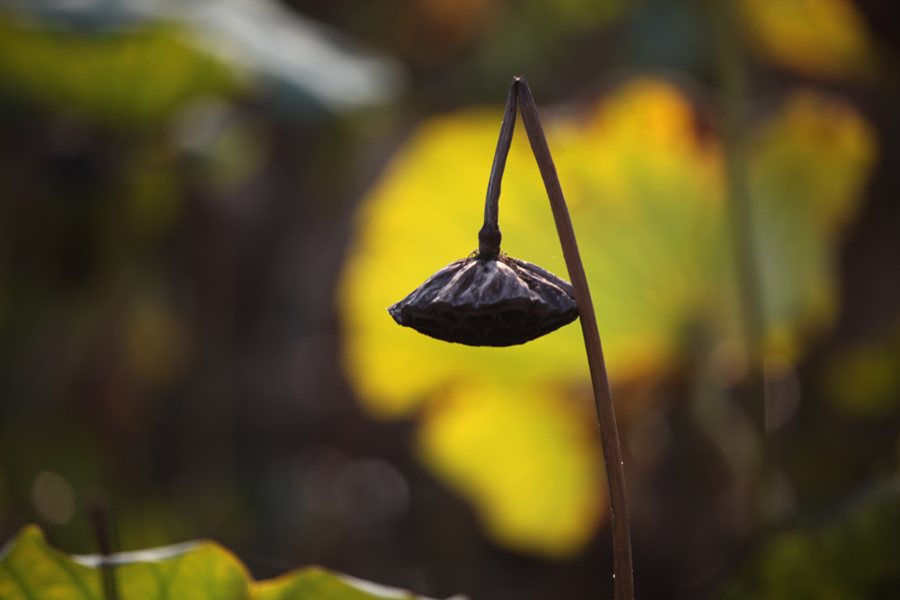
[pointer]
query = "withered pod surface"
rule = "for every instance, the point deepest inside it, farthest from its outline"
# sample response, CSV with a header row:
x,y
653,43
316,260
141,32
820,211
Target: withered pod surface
x,y
495,301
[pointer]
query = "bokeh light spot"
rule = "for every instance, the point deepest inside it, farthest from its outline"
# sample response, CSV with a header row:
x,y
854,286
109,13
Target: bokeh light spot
x,y
53,498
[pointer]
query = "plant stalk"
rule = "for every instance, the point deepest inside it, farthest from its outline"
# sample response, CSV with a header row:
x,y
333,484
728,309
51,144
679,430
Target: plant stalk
x,y
489,237
101,522
612,454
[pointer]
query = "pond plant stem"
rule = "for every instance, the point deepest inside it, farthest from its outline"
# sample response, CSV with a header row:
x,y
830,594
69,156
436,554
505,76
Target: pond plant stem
x,y
612,454
101,523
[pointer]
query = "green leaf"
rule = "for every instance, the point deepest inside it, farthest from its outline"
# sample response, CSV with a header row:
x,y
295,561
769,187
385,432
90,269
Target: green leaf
x,y
134,63
31,569
203,570
318,583
127,78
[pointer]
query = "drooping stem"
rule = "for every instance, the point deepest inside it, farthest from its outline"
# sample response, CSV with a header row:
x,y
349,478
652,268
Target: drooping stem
x,y
489,236
612,454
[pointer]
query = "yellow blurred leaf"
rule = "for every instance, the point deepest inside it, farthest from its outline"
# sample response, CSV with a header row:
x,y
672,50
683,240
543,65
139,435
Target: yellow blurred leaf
x,y
809,166
527,457
646,195
639,184
820,38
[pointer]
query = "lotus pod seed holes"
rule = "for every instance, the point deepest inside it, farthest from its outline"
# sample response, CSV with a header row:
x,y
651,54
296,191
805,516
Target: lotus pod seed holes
x,y
498,301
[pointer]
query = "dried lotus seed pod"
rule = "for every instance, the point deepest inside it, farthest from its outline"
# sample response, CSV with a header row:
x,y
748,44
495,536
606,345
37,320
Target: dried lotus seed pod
x,y
497,301
490,299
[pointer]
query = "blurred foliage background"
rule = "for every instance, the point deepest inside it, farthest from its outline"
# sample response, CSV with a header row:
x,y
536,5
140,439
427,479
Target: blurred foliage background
x,y
206,207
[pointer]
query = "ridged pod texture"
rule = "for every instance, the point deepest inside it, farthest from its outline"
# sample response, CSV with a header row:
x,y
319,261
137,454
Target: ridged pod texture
x,y
498,301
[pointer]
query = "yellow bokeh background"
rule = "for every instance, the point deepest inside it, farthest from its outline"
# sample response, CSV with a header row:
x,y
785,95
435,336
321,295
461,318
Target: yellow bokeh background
x,y
645,186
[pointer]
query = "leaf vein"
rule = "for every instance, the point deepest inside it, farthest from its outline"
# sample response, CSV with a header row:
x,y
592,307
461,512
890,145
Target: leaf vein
x,y
67,567
23,585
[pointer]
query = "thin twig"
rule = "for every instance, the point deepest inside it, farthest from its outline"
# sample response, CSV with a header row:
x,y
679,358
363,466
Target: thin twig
x,y
489,236
100,519
612,454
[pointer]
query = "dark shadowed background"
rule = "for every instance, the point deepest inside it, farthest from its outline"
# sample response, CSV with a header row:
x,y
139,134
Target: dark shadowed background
x,y
207,206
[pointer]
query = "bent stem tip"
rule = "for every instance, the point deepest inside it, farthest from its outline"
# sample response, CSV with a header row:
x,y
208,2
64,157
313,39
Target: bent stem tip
x,y
489,237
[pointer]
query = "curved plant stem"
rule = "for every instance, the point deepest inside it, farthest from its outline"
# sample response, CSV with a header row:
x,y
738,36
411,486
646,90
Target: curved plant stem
x,y
609,434
489,236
